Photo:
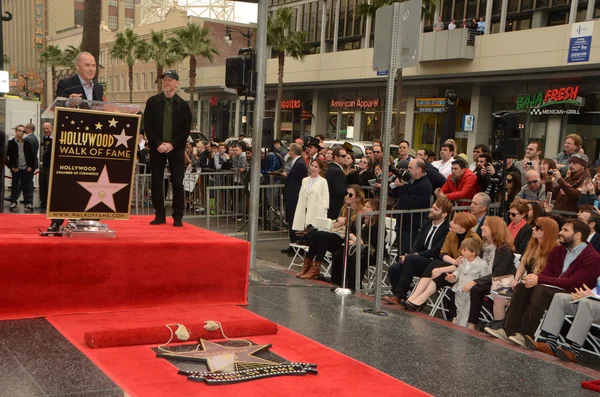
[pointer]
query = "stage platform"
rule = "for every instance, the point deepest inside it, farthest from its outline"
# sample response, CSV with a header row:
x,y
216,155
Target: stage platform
x,y
143,267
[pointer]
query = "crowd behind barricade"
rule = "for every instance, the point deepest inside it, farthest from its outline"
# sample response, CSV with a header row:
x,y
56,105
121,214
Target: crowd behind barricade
x,y
499,275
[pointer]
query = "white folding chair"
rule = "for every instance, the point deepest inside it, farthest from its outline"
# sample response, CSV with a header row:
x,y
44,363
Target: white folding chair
x,y
439,302
299,253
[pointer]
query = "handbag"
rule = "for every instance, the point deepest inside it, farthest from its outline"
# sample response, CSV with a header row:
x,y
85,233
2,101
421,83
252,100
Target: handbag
x,y
502,281
308,229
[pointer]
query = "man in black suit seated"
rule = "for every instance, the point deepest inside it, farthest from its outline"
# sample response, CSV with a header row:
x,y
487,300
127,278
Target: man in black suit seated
x,y
337,183
291,189
79,86
592,219
427,246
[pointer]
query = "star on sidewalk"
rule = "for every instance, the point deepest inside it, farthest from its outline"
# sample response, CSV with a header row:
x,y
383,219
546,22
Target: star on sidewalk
x,y
113,122
102,191
122,139
99,126
220,358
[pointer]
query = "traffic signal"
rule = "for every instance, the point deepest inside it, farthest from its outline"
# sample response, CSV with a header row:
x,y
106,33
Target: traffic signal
x,y
240,74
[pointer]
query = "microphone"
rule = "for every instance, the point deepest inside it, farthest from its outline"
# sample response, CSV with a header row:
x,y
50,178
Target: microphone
x,y
66,90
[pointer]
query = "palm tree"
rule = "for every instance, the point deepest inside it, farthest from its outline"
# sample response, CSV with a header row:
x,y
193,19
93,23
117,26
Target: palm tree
x,y
370,9
69,55
128,47
283,42
160,52
192,42
52,57
90,41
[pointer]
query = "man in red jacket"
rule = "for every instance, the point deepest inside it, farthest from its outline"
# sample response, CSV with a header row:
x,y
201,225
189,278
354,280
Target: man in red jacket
x,y
460,185
570,265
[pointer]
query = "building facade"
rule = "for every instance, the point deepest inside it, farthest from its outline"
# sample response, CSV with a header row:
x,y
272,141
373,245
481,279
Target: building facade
x,y
336,92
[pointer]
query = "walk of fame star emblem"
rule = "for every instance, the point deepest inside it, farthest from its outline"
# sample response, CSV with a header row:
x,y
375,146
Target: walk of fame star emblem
x,y
227,364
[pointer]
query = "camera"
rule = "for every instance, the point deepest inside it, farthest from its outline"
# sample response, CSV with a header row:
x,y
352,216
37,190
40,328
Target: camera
x,y
550,172
405,175
529,163
487,164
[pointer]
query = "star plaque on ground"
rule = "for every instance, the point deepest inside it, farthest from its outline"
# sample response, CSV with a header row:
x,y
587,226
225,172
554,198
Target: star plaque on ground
x,y
102,191
228,364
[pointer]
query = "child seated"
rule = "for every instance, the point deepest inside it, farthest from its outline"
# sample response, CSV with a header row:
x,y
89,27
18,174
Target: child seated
x,y
471,268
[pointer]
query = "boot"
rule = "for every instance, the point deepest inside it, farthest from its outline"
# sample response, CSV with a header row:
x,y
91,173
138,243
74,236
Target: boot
x,y
314,271
305,267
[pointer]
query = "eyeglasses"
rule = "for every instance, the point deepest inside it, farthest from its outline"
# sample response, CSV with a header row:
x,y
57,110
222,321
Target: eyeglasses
x,y
350,194
342,155
376,151
537,227
513,214
509,181
20,130
532,182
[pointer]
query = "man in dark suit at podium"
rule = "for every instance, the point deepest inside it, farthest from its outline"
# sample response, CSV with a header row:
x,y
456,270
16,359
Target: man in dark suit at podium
x,y
167,120
79,86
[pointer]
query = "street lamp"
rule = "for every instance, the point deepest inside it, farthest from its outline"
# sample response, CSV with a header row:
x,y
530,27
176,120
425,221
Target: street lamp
x,y
228,39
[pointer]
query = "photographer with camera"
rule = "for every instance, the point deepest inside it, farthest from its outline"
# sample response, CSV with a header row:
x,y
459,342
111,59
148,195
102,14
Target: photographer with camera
x,y
531,160
413,190
566,190
488,178
461,185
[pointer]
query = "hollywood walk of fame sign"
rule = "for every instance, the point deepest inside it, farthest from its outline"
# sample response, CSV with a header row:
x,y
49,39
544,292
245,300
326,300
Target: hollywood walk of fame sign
x,y
93,163
228,364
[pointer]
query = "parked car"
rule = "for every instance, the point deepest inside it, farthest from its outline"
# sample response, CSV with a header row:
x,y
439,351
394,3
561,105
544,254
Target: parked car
x,y
359,147
196,136
232,139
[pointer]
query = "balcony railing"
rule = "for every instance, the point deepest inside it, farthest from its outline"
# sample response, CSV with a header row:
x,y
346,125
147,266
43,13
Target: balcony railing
x,y
447,45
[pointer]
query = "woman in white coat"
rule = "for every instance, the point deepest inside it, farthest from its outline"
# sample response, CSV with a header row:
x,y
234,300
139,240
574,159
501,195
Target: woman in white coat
x,y
313,200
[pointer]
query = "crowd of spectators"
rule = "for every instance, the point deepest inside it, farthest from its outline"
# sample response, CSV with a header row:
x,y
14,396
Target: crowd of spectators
x,y
471,252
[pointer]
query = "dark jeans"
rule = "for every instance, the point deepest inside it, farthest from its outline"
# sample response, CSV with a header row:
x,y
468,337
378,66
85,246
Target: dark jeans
x,y
337,267
44,181
177,169
290,211
440,281
22,180
478,293
527,307
401,274
320,242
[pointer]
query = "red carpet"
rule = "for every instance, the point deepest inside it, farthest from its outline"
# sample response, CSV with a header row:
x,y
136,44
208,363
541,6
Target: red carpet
x,y
140,373
144,266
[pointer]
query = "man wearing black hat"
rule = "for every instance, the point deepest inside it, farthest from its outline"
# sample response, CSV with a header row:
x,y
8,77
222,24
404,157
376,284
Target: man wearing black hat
x,y
313,147
567,190
168,121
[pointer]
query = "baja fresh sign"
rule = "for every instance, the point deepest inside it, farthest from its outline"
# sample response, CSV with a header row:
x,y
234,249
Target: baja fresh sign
x,y
555,96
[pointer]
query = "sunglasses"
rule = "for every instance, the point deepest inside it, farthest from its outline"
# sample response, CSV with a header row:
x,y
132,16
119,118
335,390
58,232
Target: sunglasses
x,y
350,194
376,151
342,155
509,181
532,182
513,214
537,227
20,130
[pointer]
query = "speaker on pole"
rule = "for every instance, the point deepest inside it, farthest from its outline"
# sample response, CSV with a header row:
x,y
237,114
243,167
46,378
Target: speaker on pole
x,y
507,138
268,132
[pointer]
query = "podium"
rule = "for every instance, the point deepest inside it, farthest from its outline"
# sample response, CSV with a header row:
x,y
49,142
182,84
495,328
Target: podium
x,y
94,152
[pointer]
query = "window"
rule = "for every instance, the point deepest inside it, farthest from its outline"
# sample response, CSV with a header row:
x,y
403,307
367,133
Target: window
x,y
79,17
109,85
113,22
101,57
459,10
151,83
113,3
136,82
144,81
128,3
123,83
128,22
116,83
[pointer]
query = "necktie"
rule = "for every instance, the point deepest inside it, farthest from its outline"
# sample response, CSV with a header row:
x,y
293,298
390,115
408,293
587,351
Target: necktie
x,y
430,237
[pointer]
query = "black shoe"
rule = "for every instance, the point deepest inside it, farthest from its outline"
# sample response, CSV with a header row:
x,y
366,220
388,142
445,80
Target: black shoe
x,y
53,227
412,307
158,221
288,250
177,222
